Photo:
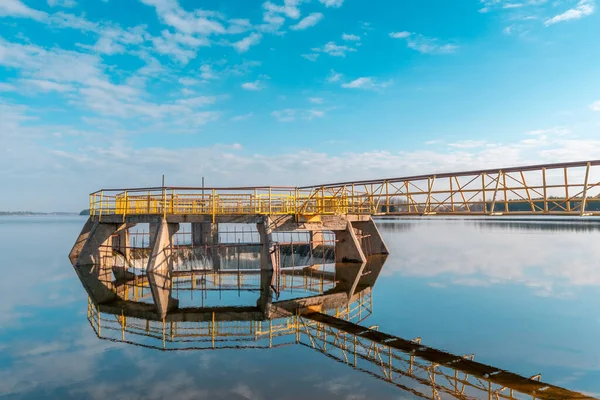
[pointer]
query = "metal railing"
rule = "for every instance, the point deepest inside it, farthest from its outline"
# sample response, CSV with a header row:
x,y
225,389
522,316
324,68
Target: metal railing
x,y
551,189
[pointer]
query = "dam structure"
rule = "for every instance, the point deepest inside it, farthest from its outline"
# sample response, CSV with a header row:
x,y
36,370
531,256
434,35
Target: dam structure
x,y
342,211
310,255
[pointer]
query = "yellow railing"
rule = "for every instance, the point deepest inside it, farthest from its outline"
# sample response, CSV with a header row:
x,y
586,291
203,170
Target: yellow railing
x,y
552,189
174,201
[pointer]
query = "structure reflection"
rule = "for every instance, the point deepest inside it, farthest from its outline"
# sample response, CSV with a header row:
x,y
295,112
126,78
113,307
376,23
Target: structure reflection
x,y
323,307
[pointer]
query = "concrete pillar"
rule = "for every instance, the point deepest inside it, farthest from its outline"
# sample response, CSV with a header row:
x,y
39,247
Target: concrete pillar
x,y
80,242
265,299
160,266
94,263
124,242
207,234
268,258
372,237
316,239
348,276
269,264
347,246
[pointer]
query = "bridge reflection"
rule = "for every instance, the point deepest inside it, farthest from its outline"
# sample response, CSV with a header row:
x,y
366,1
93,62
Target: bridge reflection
x,y
322,307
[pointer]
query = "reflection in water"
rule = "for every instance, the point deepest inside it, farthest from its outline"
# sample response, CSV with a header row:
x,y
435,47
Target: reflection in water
x,y
327,313
525,301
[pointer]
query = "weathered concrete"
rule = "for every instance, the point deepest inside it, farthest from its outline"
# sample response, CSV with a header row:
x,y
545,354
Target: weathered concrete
x,y
269,264
268,256
94,263
123,244
347,246
207,234
81,239
372,241
316,239
160,266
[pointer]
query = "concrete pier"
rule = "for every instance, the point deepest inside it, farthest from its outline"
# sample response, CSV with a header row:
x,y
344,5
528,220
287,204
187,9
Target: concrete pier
x,y
160,266
207,234
105,238
347,246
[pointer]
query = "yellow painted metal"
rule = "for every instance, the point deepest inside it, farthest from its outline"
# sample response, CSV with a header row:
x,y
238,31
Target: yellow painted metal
x,y
554,189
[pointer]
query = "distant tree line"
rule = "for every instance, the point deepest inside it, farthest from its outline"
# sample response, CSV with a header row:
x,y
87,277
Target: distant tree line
x,y
398,204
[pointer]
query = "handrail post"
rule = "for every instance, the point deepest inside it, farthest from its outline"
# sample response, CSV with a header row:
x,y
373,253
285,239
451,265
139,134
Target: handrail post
x,y
101,203
126,206
164,202
214,206
270,201
585,189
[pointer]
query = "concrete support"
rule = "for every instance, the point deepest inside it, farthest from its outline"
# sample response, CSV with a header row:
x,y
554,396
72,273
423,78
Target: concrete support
x,y
372,240
316,239
123,245
80,242
94,262
160,266
348,276
347,246
269,264
207,234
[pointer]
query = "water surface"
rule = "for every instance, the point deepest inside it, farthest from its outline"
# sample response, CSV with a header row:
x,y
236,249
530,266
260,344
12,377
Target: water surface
x,y
523,296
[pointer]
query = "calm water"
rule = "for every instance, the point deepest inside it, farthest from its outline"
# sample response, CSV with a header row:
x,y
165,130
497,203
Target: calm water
x,y
519,295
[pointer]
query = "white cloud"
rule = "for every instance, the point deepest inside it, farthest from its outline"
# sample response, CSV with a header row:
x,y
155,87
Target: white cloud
x,y
291,114
289,8
62,3
244,45
46,86
242,117
316,100
252,86
334,50
424,44
468,144
595,106
287,115
16,8
199,101
310,57
583,9
207,72
307,22
366,83
400,35
551,131
7,87
199,22
333,77
431,46
188,81
350,38
332,3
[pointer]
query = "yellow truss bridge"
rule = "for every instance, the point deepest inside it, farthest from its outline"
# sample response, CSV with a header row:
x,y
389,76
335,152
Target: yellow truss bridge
x,y
551,189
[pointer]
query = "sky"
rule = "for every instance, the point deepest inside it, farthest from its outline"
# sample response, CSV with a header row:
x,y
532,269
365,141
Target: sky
x,y
105,93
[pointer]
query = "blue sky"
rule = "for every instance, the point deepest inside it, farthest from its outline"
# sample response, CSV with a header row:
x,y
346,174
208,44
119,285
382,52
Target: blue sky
x,y
115,93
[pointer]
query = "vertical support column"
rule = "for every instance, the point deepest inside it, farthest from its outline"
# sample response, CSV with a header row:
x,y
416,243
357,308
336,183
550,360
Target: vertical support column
x,y
122,245
94,261
347,246
160,266
316,239
124,241
207,234
369,229
269,263
81,240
